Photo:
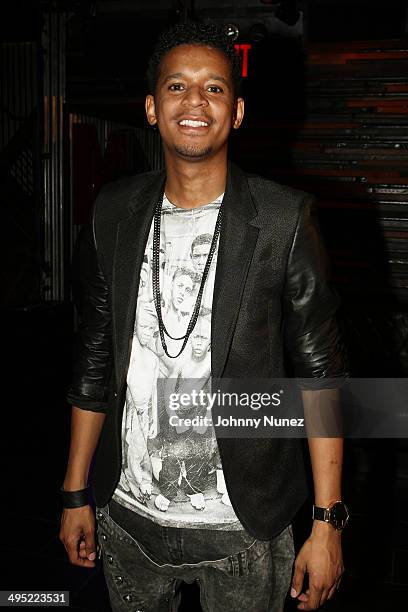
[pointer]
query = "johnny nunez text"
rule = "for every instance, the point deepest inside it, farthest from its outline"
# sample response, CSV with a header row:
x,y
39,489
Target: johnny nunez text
x,y
207,421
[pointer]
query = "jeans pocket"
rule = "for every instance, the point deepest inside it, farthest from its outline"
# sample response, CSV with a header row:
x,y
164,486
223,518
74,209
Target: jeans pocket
x,y
109,531
246,562
107,526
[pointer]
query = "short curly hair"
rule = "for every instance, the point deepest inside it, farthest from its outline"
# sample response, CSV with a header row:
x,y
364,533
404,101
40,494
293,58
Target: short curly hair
x,y
205,33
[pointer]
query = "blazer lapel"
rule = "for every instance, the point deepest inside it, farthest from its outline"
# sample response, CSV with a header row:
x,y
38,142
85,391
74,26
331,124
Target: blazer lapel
x,y
237,242
131,238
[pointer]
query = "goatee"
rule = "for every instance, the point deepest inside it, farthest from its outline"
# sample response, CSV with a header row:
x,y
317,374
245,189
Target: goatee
x,y
192,151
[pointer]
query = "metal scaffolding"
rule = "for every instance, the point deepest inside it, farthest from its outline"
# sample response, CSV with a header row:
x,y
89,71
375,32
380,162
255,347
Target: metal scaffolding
x,y
53,44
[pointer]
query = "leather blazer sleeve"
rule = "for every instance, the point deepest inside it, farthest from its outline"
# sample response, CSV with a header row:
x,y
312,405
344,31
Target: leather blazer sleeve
x,y
312,336
92,369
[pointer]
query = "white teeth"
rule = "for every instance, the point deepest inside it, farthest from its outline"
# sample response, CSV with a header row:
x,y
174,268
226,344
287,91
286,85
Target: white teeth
x,y
191,123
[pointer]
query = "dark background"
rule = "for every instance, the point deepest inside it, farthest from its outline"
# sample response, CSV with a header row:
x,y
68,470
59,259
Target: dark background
x,y
327,111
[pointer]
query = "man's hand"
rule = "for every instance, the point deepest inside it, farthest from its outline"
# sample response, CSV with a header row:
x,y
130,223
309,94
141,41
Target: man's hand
x,y
77,533
321,557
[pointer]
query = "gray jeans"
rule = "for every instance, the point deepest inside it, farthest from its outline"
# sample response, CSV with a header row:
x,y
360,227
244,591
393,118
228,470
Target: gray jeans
x,y
145,564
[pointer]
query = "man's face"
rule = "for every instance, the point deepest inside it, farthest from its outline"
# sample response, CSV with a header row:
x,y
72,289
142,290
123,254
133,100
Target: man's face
x,y
194,105
200,255
182,288
145,327
200,341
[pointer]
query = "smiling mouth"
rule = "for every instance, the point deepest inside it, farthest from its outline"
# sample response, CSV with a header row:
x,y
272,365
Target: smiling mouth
x,y
193,123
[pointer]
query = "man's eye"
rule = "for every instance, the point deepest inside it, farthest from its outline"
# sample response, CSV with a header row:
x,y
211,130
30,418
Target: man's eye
x,y
214,89
176,87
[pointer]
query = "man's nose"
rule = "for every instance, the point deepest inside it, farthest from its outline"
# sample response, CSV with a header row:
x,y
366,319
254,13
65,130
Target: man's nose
x,y
195,96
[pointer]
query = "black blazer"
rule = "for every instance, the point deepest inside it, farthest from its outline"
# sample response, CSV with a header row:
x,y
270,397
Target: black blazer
x,y
271,298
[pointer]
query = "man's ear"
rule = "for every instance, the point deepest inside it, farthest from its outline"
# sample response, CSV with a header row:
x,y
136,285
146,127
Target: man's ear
x,y
238,113
150,110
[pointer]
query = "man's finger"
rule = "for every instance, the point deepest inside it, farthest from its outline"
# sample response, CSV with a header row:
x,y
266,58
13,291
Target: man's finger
x,y
324,596
82,550
332,591
304,596
297,580
72,548
334,588
90,546
314,599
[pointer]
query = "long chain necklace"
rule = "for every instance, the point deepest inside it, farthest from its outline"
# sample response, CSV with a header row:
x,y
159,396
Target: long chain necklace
x,y
156,280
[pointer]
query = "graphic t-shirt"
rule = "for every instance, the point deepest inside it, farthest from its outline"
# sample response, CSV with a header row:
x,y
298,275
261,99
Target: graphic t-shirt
x,y
173,474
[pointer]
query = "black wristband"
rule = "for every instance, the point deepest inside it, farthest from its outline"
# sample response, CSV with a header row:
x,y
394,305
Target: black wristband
x,y
75,499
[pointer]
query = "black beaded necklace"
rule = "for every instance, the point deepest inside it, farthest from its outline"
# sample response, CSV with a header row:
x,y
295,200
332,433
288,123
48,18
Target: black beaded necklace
x,y
156,280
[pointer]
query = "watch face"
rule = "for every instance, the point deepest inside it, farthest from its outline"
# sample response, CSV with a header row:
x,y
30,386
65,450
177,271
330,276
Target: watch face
x,y
339,515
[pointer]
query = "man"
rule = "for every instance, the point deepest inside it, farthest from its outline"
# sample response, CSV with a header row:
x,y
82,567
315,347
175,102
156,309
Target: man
x,y
200,247
269,295
140,400
200,340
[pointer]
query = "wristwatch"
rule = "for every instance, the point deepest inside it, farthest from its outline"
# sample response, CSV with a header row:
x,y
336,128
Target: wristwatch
x,y
336,514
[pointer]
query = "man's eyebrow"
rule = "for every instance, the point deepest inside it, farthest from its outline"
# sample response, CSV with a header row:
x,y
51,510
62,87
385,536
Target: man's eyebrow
x,y
217,77
175,75
213,77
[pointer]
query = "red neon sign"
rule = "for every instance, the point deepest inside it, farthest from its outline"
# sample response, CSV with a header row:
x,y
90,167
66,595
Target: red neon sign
x,y
244,49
